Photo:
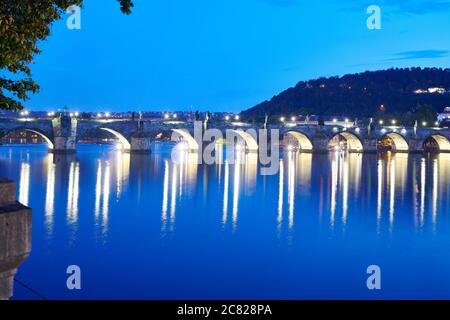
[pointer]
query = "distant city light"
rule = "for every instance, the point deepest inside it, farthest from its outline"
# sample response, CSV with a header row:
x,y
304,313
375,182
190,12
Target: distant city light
x,y
166,116
381,122
236,117
394,121
174,116
424,124
107,114
436,123
282,119
227,118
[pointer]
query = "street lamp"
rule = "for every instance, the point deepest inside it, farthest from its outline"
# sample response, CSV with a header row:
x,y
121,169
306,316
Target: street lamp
x,y
227,118
394,122
166,116
174,116
236,118
293,119
282,119
381,122
424,123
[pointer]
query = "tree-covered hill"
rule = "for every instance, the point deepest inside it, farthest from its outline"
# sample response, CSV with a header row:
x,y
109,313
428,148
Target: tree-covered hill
x,y
367,94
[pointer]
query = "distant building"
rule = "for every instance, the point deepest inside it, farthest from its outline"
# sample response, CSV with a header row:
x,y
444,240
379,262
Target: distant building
x,y
431,90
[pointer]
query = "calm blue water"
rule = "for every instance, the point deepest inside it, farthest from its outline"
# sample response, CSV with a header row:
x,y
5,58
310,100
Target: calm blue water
x,y
143,227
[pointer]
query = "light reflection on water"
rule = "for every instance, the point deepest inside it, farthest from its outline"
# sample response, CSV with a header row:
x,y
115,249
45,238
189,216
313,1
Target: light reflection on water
x,y
342,210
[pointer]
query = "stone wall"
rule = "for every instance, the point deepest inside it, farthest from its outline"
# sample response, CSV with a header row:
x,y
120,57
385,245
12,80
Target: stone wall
x,y
15,236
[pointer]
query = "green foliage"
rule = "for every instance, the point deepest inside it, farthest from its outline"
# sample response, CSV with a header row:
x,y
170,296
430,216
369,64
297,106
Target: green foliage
x,y
23,23
425,113
385,94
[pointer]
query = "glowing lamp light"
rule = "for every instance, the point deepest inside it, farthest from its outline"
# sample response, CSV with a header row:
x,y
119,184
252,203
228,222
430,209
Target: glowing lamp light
x,y
107,114
436,123
174,116
357,130
237,117
424,124
227,118
282,119
346,120
383,130
293,119
77,114
381,122
166,116
335,120
394,122
99,115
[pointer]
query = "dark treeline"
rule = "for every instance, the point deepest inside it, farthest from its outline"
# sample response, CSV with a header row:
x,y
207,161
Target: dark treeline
x,y
369,94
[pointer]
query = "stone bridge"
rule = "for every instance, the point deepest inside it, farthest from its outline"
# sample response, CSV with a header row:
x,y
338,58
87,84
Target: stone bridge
x,y
62,134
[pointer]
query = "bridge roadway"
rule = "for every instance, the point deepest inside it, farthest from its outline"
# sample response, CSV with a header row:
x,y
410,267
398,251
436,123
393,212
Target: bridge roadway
x,y
63,133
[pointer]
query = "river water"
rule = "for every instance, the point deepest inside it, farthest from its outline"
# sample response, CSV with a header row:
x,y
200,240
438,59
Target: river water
x,y
140,226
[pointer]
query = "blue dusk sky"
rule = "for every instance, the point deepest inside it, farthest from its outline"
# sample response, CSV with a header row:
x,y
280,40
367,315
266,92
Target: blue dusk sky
x,y
226,55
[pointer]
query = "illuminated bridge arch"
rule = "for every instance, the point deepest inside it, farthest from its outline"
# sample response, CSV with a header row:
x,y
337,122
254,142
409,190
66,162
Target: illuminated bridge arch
x,y
352,142
297,141
49,142
393,141
192,144
126,146
436,143
251,144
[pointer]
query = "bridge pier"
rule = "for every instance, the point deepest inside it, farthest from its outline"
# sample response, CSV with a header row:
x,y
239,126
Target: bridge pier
x,y
415,145
370,145
15,236
140,145
64,145
320,145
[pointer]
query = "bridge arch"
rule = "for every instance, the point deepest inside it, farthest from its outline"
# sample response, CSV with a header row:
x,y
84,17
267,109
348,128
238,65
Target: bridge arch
x,y
250,142
298,141
352,142
192,144
393,141
126,145
49,142
436,143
